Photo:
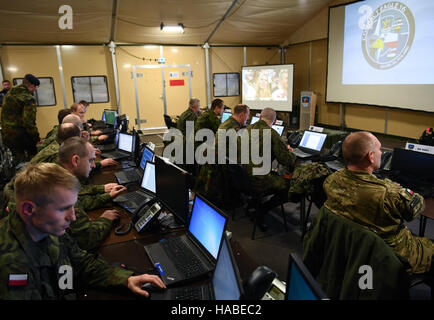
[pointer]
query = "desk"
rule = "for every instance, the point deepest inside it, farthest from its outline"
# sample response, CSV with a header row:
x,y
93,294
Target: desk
x,y
129,249
427,213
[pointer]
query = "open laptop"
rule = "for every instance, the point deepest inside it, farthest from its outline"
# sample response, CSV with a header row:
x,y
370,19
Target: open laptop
x,y
126,147
279,129
225,284
111,146
226,115
311,144
254,119
300,284
131,201
135,174
193,254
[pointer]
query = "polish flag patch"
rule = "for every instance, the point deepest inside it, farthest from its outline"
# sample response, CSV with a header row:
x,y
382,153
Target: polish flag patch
x,y
410,191
17,280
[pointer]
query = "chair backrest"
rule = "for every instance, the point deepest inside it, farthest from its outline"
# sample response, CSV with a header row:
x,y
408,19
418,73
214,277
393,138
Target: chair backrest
x,y
168,121
344,257
237,176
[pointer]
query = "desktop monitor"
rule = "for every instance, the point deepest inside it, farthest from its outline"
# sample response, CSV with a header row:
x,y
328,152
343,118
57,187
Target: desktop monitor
x,y
300,284
110,117
412,162
126,142
172,185
226,115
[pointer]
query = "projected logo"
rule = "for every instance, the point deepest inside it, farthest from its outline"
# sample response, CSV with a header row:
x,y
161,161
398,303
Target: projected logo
x,y
390,36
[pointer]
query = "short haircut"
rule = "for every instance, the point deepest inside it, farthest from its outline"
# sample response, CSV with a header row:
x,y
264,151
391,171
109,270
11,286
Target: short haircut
x,y
37,183
6,81
84,103
73,118
356,146
217,103
72,146
193,102
268,114
67,130
241,108
62,114
74,106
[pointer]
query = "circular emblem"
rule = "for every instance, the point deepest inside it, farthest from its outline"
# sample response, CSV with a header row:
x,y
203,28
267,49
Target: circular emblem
x,y
388,39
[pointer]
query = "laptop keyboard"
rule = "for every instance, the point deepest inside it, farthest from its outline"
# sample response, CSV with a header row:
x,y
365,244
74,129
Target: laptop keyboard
x,y
114,154
131,175
135,197
190,293
183,257
300,153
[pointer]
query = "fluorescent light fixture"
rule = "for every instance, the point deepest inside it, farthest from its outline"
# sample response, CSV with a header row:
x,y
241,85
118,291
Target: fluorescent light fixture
x,y
172,29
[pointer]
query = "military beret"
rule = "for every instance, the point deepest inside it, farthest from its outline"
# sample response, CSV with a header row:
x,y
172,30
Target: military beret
x,y
32,79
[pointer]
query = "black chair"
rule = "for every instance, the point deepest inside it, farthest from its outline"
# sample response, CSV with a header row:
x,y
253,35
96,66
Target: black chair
x,y
168,121
239,184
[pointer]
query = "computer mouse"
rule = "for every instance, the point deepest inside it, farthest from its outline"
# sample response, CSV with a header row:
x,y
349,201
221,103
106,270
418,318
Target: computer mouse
x,y
150,287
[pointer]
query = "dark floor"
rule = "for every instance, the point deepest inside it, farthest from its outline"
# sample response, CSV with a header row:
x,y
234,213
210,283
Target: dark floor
x,y
271,248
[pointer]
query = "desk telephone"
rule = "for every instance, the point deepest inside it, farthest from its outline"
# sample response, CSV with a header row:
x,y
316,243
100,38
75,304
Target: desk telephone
x,y
142,218
294,138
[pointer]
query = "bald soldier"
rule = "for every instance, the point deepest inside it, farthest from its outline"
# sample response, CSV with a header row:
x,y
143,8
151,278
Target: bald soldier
x,y
379,205
35,248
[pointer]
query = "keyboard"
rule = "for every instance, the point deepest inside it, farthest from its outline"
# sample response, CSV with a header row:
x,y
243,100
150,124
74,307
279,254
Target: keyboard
x,y
128,175
301,154
335,165
189,293
106,147
135,197
183,257
114,154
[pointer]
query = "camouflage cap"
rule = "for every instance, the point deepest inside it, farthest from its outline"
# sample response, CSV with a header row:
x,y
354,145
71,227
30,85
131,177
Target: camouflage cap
x,y
32,79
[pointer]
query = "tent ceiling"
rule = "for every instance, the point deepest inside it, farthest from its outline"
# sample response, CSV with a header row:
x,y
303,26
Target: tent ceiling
x,y
250,22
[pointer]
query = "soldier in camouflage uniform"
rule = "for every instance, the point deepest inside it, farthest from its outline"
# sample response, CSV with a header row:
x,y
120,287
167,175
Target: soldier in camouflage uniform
x,y
190,114
52,134
209,119
35,248
379,205
269,183
18,120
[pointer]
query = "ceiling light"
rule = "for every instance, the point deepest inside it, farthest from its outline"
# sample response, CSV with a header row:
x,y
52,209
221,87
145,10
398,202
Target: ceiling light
x,y
172,29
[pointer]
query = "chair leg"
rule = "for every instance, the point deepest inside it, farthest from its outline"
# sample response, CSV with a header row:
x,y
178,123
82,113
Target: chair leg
x,y
284,217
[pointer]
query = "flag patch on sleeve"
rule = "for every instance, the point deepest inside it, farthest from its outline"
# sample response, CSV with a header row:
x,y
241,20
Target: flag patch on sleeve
x,y
17,280
410,192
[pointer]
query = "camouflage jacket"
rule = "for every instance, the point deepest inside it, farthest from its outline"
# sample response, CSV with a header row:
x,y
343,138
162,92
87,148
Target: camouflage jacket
x,y
48,154
19,111
40,263
49,138
305,175
381,206
187,115
92,196
208,120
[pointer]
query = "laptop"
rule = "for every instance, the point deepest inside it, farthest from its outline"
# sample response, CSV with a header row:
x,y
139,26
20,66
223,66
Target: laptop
x,y
193,254
226,115
126,147
413,170
131,201
279,129
225,284
254,119
311,144
300,284
111,146
135,174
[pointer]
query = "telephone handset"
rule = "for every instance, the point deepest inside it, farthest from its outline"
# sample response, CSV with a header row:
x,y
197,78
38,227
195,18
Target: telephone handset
x,y
294,138
144,216
336,150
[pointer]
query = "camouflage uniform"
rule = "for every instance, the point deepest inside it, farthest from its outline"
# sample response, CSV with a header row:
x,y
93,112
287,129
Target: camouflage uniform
x,y
41,261
381,206
187,115
18,123
208,120
49,138
48,154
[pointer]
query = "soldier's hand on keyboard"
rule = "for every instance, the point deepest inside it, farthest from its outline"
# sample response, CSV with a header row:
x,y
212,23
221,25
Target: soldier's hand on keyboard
x,y
108,162
117,190
109,186
110,214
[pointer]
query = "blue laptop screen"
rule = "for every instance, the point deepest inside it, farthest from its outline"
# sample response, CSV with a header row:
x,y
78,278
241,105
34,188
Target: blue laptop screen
x,y
254,119
298,288
148,180
207,225
224,279
279,129
226,116
148,155
313,140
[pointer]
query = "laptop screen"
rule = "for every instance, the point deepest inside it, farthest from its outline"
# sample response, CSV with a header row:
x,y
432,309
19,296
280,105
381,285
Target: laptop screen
x,y
416,163
103,116
207,225
125,142
279,129
148,155
254,119
225,279
226,116
300,284
148,180
313,140
110,117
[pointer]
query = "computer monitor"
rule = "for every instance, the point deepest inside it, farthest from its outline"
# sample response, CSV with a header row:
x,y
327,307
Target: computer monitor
x,y
147,155
416,163
172,185
226,279
126,142
226,115
312,141
254,119
110,117
279,129
300,284
148,180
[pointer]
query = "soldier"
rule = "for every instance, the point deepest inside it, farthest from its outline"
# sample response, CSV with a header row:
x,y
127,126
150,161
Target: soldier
x,y
35,248
209,119
190,114
379,205
269,183
79,110
18,120
6,87
238,119
52,134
